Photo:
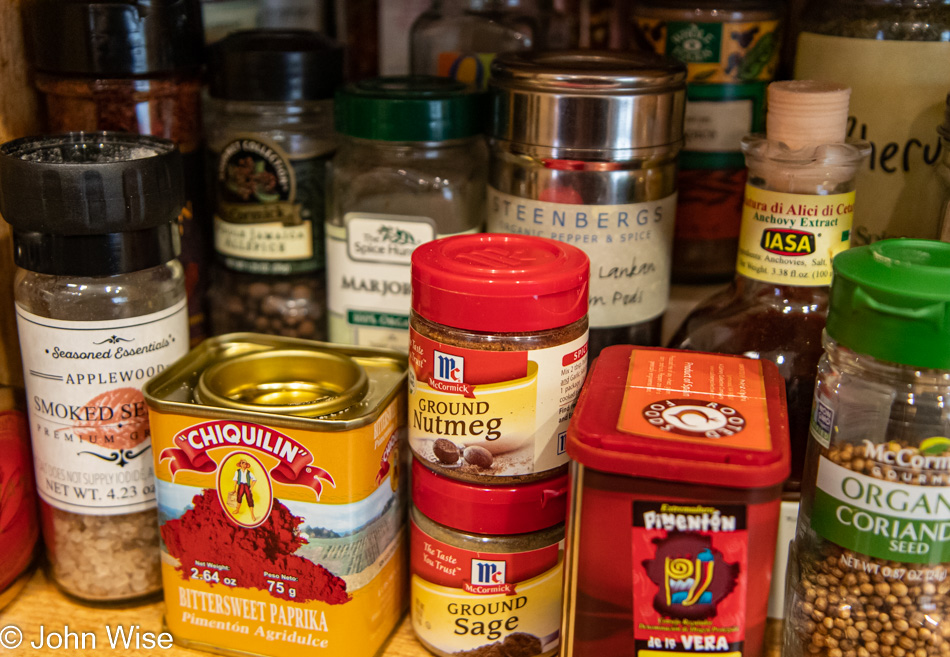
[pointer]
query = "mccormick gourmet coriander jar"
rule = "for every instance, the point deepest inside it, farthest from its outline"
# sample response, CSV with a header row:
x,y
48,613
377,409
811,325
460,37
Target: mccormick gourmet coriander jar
x,y
497,355
870,556
131,66
679,463
100,304
269,121
411,168
583,150
486,565
282,485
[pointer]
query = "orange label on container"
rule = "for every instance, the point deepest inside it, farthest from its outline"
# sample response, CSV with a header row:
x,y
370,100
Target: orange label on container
x,y
694,397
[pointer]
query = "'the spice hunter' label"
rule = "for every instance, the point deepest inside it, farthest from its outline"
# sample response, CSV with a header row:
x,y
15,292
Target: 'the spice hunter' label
x,y
465,600
511,407
690,575
270,548
629,248
269,208
88,420
469,67
728,66
791,239
885,519
368,279
896,104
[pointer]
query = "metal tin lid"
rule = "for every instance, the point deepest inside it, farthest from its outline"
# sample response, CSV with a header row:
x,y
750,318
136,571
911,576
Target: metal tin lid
x,y
286,381
588,99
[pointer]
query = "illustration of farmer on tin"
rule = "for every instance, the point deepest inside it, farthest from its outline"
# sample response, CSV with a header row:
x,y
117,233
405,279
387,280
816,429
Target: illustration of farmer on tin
x,y
244,482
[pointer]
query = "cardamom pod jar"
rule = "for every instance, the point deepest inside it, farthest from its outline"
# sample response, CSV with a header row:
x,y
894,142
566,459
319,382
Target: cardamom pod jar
x,y
583,150
101,308
411,168
868,569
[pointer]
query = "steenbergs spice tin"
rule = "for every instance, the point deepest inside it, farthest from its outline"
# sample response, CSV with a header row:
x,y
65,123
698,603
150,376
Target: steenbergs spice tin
x,y
280,505
680,458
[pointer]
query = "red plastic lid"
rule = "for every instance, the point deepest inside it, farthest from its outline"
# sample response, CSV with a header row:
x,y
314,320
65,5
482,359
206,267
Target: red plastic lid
x,y
478,509
500,283
683,416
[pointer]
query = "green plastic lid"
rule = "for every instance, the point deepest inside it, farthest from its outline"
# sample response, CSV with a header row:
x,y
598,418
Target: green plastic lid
x,y
891,300
410,108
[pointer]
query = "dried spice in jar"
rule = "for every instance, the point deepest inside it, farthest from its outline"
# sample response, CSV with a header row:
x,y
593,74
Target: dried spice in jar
x,y
269,124
731,52
486,566
100,304
583,150
674,504
868,570
497,355
132,66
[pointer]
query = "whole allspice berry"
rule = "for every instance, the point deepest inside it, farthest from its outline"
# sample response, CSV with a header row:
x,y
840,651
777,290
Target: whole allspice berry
x,y
478,456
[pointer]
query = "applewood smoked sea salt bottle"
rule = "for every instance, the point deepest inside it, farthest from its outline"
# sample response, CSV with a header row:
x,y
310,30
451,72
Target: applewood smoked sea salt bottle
x,y
100,304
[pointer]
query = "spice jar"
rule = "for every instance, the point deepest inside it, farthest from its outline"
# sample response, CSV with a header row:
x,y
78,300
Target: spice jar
x,y
497,355
131,66
270,138
674,503
19,529
100,304
583,150
895,57
411,168
731,51
869,564
943,173
486,566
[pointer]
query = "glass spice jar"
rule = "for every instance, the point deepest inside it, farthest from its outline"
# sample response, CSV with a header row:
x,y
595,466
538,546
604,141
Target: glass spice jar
x,y
731,52
100,304
870,558
895,57
583,150
269,125
131,66
411,168
486,566
497,355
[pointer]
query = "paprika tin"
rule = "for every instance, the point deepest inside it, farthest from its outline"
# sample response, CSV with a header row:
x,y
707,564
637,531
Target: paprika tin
x,y
280,508
680,458
487,565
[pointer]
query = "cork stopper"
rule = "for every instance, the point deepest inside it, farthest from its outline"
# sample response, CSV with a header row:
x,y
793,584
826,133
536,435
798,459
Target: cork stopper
x,y
807,113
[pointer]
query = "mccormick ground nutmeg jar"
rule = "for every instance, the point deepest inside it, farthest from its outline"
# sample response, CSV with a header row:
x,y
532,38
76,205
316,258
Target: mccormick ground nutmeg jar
x,y
583,150
497,355
101,308
486,565
679,463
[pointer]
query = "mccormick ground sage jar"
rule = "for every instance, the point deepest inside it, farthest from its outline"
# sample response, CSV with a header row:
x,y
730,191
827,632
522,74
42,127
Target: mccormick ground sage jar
x,y
679,462
497,355
583,150
100,305
487,565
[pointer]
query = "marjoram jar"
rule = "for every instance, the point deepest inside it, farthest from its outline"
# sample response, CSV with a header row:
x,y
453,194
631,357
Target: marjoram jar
x,y
100,304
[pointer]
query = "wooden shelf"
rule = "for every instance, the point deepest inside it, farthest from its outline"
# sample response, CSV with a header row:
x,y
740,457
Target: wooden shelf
x,y
41,604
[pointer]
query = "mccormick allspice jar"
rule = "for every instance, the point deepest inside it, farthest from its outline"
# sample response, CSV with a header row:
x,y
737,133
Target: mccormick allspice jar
x,y
497,355
100,304
583,150
486,566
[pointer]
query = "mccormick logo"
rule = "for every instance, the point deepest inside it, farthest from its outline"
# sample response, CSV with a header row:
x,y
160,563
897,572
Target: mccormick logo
x,y
695,417
449,368
788,242
295,463
488,578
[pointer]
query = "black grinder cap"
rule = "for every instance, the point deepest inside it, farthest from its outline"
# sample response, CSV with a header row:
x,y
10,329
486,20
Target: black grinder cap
x,y
92,203
114,38
275,65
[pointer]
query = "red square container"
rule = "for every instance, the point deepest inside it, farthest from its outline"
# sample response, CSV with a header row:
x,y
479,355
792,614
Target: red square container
x,y
680,458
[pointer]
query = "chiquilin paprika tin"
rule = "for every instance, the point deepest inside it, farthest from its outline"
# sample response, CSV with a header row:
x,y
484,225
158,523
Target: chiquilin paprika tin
x,y
281,513
680,458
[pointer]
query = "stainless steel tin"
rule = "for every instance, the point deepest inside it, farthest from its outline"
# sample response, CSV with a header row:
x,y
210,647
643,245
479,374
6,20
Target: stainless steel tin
x,y
589,100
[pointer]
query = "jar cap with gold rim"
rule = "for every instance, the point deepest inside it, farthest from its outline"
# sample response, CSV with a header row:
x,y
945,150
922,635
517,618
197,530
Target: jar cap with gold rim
x,y
500,283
